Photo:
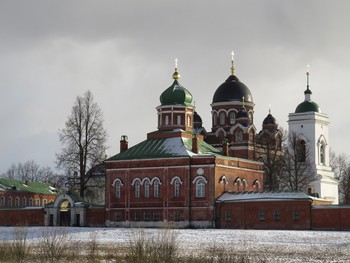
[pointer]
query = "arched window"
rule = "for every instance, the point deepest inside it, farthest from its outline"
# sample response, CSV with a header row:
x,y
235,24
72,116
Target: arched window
x,y
232,117
200,188
147,189
156,188
24,201
322,154
17,201
30,201
301,151
37,203
222,118
166,120
2,201
256,184
44,202
137,189
117,189
9,201
215,119
178,119
177,187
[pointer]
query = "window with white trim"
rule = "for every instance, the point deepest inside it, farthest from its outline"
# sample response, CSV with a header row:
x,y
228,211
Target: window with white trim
x,y
178,119
200,188
17,201
147,189
117,189
137,189
9,201
30,201
2,201
156,188
177,187
166,120
24,201
232,117
222,118
215,119
37,202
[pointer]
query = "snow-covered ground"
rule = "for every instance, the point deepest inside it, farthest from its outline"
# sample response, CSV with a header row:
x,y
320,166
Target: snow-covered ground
x,y
271,245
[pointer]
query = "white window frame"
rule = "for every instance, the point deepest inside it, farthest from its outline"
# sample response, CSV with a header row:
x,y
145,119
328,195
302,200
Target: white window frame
x,y
200,188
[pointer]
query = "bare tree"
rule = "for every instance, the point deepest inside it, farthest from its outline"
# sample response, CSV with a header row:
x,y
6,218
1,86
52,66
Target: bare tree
x,y
341,167
298,172
269,152
83,140
31,171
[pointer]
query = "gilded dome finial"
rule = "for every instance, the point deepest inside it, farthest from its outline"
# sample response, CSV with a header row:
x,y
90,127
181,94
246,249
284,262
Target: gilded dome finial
x,y
243,103
176,74
232,63
269,108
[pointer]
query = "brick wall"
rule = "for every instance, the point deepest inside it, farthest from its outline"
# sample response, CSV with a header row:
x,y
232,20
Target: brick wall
x,y
22,217
264,215
96,216
330,218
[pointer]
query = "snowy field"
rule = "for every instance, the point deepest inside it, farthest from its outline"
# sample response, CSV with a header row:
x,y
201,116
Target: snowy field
x,y
271,245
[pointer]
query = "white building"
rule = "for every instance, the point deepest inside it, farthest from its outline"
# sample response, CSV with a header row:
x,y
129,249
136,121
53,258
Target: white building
x,y
309,122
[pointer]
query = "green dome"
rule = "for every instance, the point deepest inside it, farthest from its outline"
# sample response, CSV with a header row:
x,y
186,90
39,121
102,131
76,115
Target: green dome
x,y
306,106
176,95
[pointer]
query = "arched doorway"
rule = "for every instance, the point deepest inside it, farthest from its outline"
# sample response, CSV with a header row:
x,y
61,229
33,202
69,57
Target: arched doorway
x,y
65,213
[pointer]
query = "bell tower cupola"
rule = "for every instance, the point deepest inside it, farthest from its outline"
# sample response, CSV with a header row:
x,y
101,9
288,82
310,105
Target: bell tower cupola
x,y
176,110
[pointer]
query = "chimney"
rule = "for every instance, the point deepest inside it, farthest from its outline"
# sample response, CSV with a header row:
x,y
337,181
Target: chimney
x,y
195,143
225,147
123,143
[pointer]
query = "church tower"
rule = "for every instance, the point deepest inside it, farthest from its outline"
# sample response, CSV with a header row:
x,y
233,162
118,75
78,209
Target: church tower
x,y
175,111
232,117
312,125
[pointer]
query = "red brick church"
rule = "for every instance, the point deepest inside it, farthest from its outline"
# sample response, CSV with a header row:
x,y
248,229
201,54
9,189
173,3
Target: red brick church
x,y
180,171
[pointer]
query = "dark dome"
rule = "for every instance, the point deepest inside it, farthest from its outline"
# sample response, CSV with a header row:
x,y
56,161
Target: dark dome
x,y
232,90
197,118
269,120
306,106
176,95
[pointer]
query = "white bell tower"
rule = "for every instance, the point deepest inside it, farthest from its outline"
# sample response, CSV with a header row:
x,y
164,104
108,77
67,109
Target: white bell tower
x,y
312,124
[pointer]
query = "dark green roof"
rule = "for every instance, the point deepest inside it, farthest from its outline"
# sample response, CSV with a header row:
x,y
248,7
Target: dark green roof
x,y
31,187
164,148
176,95
307,106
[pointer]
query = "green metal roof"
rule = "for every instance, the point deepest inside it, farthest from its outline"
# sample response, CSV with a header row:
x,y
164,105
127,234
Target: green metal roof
x,y
164,148
31,187
306,106
176,95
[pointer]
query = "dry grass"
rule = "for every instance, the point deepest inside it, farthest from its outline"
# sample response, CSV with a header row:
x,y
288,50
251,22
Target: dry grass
x,y
163,246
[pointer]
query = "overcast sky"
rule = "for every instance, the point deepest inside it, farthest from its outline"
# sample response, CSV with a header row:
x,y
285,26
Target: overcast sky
x,y
124,51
